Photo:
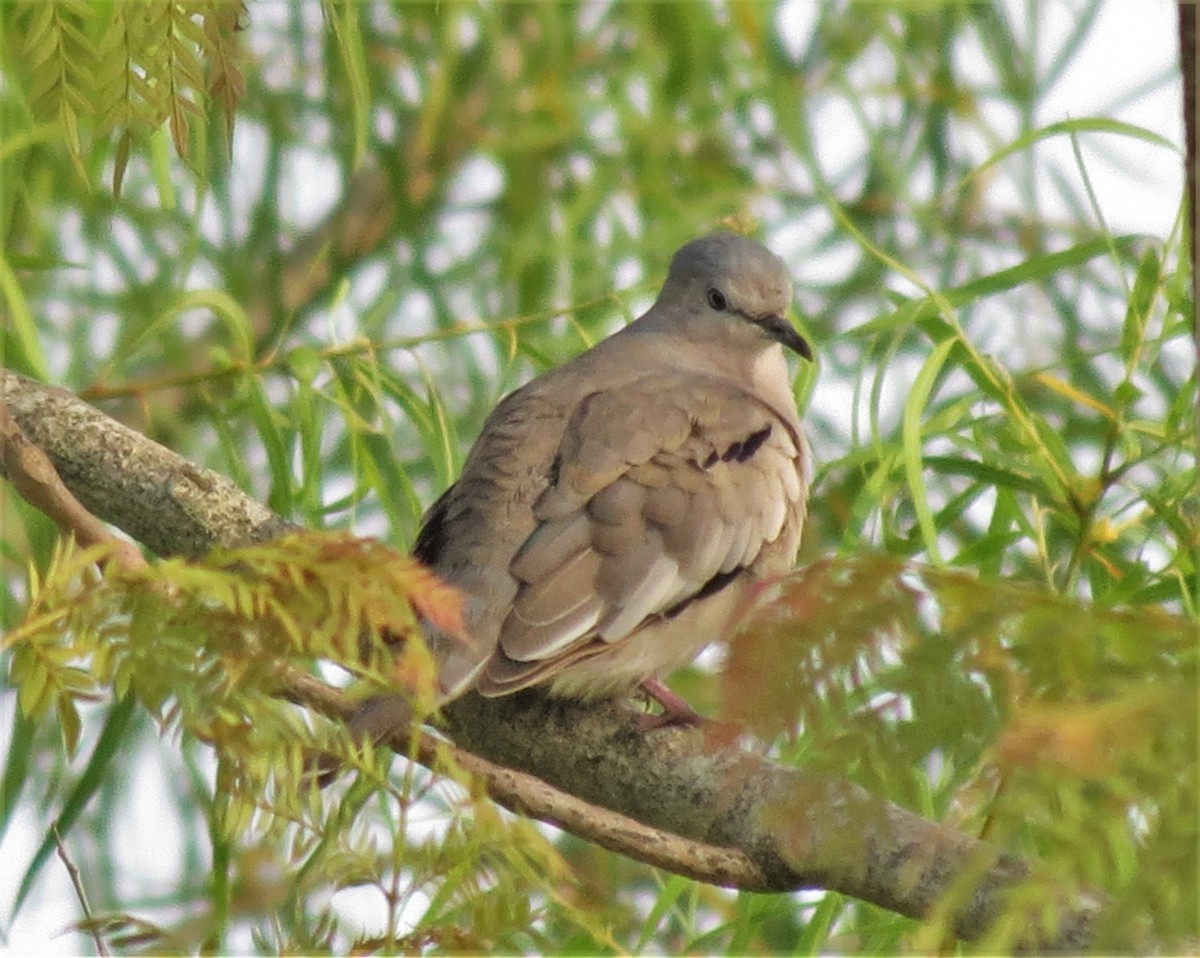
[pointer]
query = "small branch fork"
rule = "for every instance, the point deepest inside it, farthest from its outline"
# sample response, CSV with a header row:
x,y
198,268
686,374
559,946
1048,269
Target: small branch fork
x,y
33,475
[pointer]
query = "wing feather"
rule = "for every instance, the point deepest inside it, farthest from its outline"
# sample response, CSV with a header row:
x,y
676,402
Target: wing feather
x,y
657,491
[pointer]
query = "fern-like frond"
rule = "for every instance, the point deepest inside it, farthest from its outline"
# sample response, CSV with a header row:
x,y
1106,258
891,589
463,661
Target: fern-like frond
x,y
199,644
174,37
121,101
222,20
59,57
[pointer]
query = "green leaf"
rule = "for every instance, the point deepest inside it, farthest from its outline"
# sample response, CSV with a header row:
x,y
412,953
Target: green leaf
x,y
111,743
343,19
1146,286
304,363
16,766
912,435
20,345
1065,128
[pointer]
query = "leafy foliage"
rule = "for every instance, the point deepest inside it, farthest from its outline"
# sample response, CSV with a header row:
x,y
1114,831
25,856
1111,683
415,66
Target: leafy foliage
x,y
126,66
424,204
299,597
199,647
1055,728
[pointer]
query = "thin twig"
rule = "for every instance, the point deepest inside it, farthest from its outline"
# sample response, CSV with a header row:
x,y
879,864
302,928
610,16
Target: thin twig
x,y
73,873
528,795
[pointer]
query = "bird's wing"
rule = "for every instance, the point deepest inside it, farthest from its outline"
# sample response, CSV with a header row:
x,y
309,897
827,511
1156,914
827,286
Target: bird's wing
x,y
661,492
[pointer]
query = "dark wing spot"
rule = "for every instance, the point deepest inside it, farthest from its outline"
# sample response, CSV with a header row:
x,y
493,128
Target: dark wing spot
x,y
711,587
431,540
555,469
741,451
711,460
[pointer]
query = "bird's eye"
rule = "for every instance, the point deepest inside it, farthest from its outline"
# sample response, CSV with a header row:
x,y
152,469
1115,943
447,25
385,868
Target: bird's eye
x,y
716,299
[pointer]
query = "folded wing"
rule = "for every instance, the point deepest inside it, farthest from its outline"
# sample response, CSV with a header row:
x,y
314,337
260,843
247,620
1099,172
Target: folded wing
x,y
660,494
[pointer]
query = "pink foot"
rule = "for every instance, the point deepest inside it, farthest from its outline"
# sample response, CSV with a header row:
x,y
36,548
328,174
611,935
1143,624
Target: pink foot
x,y
675,711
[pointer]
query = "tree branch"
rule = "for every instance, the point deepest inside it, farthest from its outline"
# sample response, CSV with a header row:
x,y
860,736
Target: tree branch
x,y
35,478
730,817
527,795
1189,53
156,496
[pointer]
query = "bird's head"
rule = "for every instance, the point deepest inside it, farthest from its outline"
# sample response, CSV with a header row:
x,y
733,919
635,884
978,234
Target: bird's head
x,y
734,288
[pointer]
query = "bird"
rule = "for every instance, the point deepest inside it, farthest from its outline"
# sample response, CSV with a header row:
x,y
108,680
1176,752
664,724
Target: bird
x,y
616,513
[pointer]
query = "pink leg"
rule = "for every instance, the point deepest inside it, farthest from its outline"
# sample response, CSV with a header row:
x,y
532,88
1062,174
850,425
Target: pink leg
x,y
675,711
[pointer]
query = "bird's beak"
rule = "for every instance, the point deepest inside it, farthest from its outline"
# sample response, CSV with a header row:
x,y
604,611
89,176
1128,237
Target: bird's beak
x,y
780,330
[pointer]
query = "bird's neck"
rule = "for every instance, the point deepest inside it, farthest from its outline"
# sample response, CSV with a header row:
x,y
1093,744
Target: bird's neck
x,y
763,371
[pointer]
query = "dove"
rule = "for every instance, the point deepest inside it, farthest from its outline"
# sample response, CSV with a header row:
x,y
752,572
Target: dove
x,y
616,513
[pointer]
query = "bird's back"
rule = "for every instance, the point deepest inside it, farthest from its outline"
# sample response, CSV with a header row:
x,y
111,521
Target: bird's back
x,y
636,401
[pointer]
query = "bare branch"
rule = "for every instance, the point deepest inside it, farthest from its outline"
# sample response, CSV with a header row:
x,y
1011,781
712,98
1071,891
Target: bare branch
x,y
528,795
156,496
33,476
89,919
